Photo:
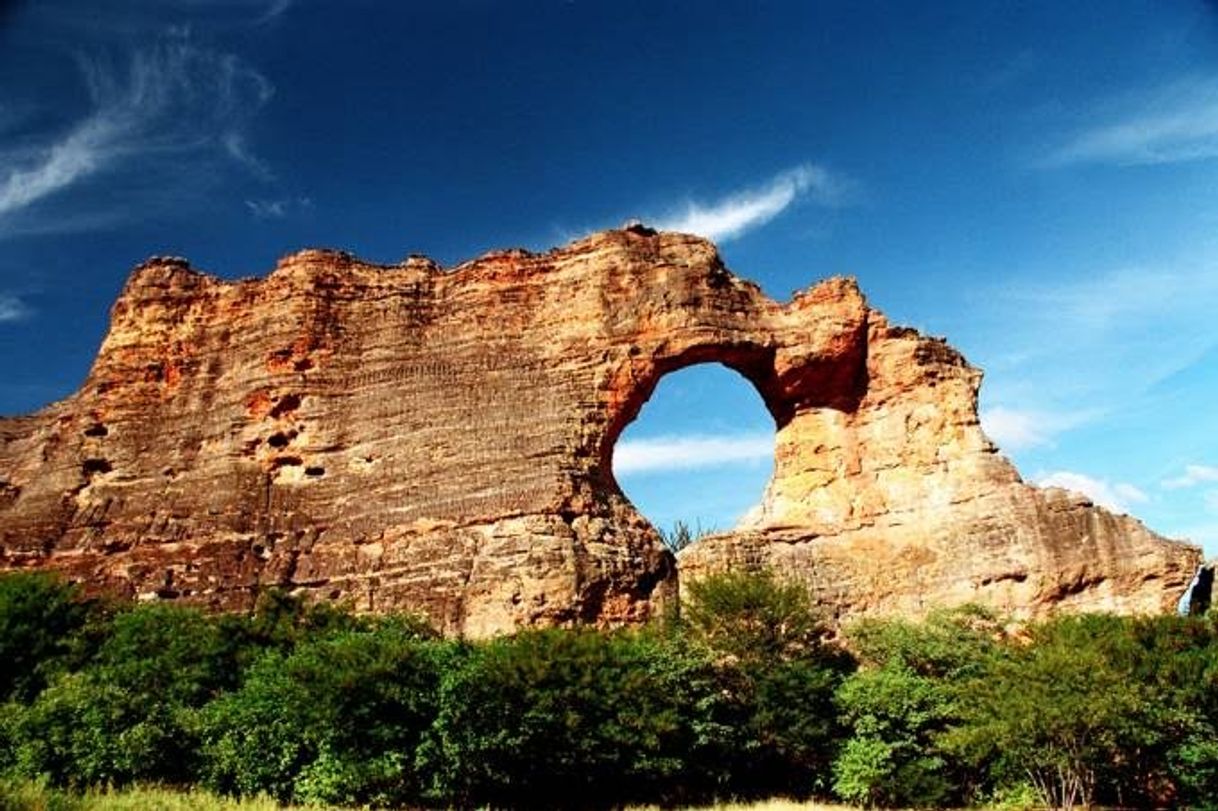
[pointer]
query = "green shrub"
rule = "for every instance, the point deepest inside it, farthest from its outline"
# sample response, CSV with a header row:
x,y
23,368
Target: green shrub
x,y
1088,711
129,714
792,726
897,707
891,758
752,616
338,720
552,718
85,731
38,615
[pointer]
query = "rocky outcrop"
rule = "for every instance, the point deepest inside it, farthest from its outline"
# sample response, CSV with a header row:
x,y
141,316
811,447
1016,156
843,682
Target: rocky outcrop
x,y
406,437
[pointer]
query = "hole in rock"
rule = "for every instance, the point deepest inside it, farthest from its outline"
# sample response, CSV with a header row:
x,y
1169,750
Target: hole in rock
x,y
97,431
698,457
286,405
94,466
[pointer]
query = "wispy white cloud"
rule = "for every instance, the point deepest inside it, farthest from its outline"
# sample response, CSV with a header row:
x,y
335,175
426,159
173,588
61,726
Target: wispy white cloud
x,y
1169,124
1015,430
1098,339
739,213
238,149
1116,496
174,97
12,308
690,452
277,209
274,10
1193,476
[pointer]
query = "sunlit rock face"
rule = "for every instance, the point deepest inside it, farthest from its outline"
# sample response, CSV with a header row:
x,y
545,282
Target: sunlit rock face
x,y
412,438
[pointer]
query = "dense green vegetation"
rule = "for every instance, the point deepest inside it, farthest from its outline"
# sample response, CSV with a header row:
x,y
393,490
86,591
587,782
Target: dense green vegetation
x,y
743,697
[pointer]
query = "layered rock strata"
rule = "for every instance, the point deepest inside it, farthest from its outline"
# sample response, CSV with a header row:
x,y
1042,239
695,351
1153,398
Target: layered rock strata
x,y
412,438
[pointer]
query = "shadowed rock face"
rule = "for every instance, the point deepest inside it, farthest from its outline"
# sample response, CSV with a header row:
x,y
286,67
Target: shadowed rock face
x,y
411,438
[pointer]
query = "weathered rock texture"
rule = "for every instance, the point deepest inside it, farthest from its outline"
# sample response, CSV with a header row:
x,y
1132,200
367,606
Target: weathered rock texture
x,y
407,437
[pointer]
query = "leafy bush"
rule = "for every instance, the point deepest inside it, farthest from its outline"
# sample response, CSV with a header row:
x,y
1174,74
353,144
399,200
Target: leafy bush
x,y
743,697
793,729
779,675
752,616
900,703
38,615
127,715
891,758
553,717
337,720
1089,710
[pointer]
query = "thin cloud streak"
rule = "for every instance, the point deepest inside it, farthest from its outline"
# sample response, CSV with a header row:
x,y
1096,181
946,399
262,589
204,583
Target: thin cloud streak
x,y
173,98
1172,124
1106,339
739,213
277,209
1116,496
669,453
1016,430
1193,476
12,309
275,9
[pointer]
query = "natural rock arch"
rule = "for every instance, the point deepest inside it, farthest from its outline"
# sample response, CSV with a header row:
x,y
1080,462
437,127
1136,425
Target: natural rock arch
x,y
695,423
406,437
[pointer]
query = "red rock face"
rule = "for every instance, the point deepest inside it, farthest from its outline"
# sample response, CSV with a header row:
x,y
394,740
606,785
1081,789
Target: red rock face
x,y
409,438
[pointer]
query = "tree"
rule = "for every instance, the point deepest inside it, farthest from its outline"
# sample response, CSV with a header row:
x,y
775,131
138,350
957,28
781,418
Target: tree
x,y
128,715
752,616
337,720
1058,712
900,703
579,718
38,615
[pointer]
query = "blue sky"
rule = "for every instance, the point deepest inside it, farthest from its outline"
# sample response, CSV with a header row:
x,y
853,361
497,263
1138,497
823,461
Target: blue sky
x,y
1038,182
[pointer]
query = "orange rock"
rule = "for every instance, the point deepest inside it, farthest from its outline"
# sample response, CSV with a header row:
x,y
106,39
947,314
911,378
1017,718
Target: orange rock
x,y
406,438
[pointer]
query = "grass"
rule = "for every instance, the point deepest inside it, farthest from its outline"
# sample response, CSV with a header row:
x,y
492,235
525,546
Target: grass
x,y
771,805
27,796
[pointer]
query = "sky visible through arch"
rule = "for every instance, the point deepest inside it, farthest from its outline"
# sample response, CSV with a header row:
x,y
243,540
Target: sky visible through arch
x,y
1038,182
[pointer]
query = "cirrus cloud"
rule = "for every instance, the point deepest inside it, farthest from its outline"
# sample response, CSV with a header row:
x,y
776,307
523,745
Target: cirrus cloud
x,y
741,212
690,452
1192,476
12,308
1172,123
173,98
1116,496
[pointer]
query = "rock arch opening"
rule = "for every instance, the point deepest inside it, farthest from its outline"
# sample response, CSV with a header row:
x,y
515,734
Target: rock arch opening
x,y
700,453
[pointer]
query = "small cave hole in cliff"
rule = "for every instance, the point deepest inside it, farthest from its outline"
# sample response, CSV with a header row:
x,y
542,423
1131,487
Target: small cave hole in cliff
x,y
699,455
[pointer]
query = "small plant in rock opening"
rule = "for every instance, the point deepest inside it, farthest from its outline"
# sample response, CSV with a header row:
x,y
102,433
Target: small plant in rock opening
x,y
682,535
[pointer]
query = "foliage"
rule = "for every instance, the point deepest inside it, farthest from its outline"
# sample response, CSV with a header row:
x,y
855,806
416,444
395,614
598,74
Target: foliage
x,y
899,704
891,758
127,716
1085,712
337,720
744,696
38,614
752,616
682,535
552,718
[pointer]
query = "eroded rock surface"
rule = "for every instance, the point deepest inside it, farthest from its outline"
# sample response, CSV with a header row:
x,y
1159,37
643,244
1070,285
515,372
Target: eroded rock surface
x,y
406,437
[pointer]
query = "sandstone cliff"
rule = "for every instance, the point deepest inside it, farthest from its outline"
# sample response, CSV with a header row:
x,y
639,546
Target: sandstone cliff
x,y
407,437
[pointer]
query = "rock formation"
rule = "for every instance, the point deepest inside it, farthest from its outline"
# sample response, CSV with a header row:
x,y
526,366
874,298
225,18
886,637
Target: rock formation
x,y
406,437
